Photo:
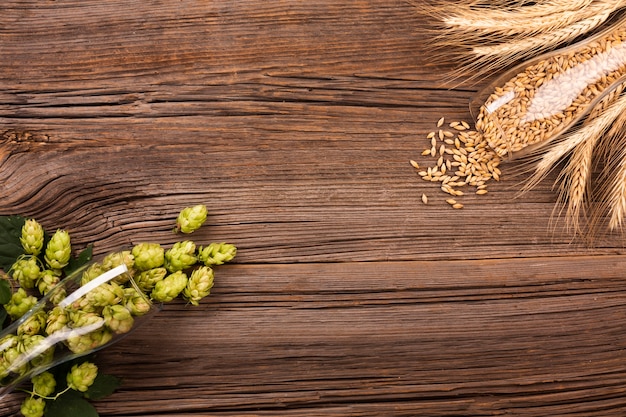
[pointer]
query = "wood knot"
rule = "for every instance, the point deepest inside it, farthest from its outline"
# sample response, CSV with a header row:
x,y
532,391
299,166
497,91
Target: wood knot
x,y
23,136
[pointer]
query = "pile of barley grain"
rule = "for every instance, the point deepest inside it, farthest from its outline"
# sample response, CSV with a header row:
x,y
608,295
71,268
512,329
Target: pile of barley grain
x,y
462,159
546,97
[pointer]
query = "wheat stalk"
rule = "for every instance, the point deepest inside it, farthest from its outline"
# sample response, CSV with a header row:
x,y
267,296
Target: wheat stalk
x,y
524,47
521,20
501,32
577,180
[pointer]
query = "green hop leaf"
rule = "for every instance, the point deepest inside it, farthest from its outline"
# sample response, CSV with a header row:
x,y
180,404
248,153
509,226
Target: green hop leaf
x,y
191,218
10,245
76,263
5,291
72,404
3,316
103,386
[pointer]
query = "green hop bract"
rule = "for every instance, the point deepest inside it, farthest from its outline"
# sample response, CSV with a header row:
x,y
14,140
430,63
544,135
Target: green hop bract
x,y
191,218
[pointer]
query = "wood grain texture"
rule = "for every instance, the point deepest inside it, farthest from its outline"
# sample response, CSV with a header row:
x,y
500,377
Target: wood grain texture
x,y
294,122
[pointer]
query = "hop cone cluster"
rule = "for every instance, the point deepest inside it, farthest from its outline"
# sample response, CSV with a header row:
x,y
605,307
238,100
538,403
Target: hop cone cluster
x,y
86,321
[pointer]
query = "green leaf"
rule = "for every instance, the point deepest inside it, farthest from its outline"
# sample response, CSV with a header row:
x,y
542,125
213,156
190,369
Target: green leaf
x,y
3,316
103,386
10,246
5,291
80,260
70,404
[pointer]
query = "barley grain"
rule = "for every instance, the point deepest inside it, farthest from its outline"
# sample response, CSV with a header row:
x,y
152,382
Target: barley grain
x,y
424,199
441,122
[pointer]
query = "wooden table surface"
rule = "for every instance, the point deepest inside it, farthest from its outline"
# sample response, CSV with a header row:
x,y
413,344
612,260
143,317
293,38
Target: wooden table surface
x,y
294,122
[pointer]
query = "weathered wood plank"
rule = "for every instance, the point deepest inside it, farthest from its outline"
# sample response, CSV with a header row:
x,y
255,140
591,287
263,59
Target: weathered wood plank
x,y
538,336
294,122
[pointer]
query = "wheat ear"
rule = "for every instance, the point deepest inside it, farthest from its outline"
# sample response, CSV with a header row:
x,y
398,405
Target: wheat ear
x,y
524,47
545,159
576,182
520,21
612,180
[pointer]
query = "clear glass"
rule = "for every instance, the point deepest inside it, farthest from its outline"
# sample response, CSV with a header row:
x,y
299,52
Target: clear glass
x,y
537,101
79,320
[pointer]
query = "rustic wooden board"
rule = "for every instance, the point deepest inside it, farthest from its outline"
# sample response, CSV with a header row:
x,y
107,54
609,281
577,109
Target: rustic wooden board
x,y
294,122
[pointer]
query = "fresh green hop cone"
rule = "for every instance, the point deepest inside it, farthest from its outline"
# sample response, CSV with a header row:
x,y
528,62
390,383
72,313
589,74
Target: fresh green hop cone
x,y
12,358
191,218
109,293
116,259
9,354
57,319
92,272
44,384
199,285
32,237
20,303
58,250
135,302
81,318
46,281
148,256
87,342
26,271
146,280
217,253
28,344
33,407
168,289
118,319
33,325
82,376
180,256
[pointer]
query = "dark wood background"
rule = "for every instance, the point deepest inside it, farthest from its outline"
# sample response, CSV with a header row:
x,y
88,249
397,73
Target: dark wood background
x,y
294,122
